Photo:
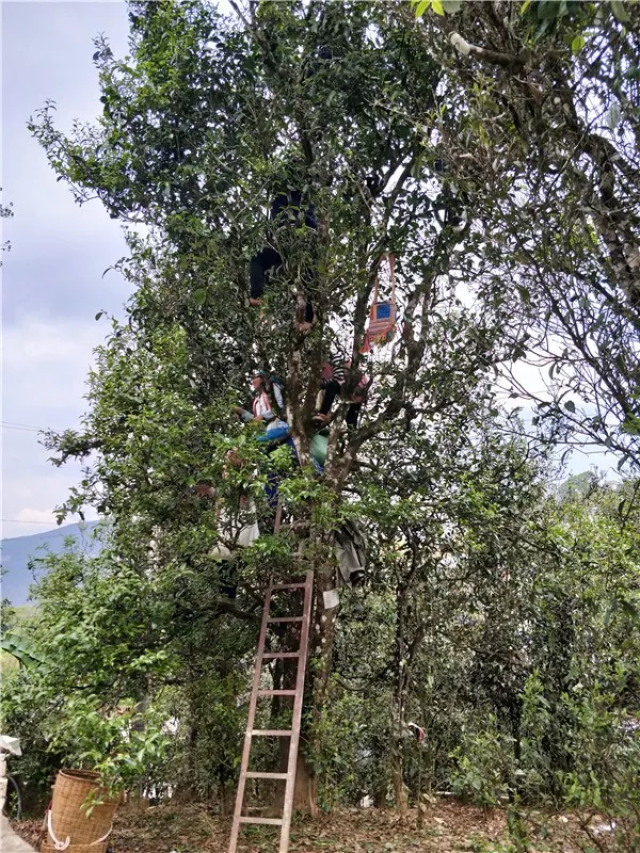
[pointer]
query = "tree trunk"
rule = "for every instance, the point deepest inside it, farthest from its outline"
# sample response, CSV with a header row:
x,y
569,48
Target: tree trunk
x,y
399,722
316,688
305,796
322,637
399,788
227,799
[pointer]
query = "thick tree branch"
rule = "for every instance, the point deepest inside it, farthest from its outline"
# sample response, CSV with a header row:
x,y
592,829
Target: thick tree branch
x,y
505,60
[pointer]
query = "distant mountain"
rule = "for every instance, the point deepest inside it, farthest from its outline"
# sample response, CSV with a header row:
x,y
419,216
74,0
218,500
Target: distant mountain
x,y
16,553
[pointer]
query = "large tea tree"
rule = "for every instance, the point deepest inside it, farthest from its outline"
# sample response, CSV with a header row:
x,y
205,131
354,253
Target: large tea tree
x,y
201,122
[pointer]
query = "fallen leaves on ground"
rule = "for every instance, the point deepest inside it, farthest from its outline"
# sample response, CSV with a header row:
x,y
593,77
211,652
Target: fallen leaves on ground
x,y
448,827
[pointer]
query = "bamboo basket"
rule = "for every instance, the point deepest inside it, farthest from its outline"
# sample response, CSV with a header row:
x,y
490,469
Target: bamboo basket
x,y
67,820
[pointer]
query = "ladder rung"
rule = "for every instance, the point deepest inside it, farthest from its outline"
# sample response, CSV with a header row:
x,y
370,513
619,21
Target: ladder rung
x,y
260,774
285,619
276,692
272,732
274,655
288,586
267,821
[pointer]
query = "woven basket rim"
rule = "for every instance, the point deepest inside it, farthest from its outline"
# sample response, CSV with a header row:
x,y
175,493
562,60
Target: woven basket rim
x,y
85,775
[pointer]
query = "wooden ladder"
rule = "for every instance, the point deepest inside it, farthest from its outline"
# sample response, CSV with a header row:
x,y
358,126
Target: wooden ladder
x,y
294,732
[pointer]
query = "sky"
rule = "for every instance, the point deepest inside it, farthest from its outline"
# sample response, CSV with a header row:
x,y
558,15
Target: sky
x,y
52,278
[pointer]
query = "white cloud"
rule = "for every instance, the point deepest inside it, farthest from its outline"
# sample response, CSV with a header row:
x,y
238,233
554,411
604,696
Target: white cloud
x,y
45,516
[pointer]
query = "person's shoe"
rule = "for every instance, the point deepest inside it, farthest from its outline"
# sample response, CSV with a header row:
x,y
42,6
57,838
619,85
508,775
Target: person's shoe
x,y
357,578
255,302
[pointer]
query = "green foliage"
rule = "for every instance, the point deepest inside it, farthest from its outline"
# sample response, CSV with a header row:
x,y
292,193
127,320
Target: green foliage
x,y
85,736
482,770
91,652
18,647
440,7
352,736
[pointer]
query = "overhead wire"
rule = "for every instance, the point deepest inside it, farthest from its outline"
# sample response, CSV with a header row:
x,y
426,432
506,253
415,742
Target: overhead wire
x,y
21,426
25,427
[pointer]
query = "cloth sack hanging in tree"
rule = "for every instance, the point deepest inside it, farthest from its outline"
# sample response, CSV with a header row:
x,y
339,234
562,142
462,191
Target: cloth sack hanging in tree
x,y
318,448
382,319
351,552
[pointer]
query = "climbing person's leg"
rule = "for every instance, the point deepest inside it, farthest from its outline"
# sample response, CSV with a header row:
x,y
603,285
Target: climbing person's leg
x,y
331,391
229,578
307,322
260,264
273,436
309,277
353,413
292,447
267,514
274,478
304,314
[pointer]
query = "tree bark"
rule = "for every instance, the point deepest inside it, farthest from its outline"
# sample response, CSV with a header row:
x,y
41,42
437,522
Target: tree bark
x,y
318,674
399,721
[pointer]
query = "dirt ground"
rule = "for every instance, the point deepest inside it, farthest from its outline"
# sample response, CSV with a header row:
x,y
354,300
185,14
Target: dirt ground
x,y
448,827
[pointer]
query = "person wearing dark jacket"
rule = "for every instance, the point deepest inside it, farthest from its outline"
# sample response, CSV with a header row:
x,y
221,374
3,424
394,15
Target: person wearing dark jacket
x,y
287,210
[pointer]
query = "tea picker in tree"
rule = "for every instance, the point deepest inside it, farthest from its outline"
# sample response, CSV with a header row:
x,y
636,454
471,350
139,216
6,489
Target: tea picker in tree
x,y
268,403
288,211
334,373
450,208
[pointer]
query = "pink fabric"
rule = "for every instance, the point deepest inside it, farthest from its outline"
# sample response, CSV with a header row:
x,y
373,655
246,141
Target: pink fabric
x,y
327,372
262,405
361,390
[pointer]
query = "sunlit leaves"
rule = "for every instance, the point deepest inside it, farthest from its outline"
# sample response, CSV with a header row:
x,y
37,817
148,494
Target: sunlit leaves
x,y
440,7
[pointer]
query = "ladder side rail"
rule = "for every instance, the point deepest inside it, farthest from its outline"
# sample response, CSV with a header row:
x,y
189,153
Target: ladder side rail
x,y
235,828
